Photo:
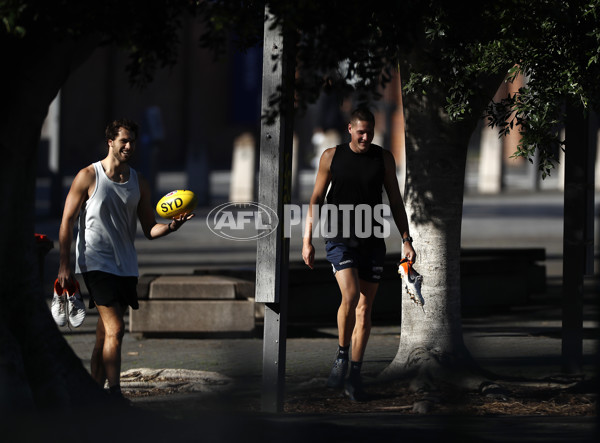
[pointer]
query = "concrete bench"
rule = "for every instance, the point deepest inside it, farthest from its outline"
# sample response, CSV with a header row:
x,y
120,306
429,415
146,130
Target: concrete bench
x,y
193,304
490,278
313,295
221,300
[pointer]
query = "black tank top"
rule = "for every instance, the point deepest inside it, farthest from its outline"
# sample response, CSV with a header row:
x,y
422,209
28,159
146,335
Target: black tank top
x,y
356,179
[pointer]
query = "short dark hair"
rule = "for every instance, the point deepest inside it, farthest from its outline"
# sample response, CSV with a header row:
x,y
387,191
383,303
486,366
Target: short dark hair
x,y
112,130
362,113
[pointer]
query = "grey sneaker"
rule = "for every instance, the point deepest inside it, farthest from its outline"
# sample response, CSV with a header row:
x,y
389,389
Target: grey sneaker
x,y
354,390
338,373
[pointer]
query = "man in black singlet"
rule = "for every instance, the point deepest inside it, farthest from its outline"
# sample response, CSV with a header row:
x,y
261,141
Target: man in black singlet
x,y
358,172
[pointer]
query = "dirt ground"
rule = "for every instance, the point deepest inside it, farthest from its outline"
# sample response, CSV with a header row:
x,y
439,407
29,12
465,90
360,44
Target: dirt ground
x,y
516,399
505,399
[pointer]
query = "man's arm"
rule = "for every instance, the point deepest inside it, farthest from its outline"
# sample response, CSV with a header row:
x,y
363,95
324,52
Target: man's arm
x,y
318,197
145,211
84,181
390,182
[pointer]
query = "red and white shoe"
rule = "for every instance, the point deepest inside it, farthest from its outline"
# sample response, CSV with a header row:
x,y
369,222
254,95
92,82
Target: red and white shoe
x,y
67,305
59,305
76,306
412,280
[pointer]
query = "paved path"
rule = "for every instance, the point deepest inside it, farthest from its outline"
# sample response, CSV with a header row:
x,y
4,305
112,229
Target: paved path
x,y
515,220
523,341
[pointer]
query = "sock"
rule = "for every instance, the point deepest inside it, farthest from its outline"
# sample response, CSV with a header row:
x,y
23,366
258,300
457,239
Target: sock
x,y
114,389
355,367
343,352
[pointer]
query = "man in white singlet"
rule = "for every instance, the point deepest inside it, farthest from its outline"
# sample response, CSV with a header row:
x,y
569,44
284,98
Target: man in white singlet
x,y
108,197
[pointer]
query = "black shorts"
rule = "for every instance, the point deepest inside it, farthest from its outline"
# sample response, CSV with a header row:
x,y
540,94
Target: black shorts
x,y
107,289
369,262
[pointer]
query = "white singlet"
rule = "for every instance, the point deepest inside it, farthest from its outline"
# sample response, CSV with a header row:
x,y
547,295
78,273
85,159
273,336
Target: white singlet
x,y
107,227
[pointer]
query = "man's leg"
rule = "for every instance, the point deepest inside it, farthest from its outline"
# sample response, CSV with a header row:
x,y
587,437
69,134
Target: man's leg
x,y
349,287
362,327
360,337
114,329
346,318
97,364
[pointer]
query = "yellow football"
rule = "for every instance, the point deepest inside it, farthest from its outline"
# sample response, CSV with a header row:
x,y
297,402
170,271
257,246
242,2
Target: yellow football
x,y
176,203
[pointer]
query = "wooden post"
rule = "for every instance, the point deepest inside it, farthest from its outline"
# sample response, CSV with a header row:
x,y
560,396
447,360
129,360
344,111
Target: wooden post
x,y
578,195
274,190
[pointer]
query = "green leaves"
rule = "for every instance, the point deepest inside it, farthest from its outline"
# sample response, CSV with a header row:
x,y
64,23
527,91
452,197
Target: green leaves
x,y
11,12
556,49
353,47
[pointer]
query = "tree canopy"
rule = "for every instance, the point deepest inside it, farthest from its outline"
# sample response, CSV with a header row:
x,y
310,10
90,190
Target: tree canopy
x,y
353,46
147,31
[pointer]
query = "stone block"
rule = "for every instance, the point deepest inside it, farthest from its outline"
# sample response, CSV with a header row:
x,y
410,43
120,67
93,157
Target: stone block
x,y
192,316
199,287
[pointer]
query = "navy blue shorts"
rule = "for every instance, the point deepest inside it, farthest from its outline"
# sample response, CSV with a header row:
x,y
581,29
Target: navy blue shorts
x,y
368,262
108,289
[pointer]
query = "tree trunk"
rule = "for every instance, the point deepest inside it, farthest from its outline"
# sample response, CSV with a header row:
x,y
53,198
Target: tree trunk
x,y
38,369
431,351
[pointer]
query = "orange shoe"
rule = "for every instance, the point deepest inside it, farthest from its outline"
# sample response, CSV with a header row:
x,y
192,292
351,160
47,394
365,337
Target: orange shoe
x,y
412,280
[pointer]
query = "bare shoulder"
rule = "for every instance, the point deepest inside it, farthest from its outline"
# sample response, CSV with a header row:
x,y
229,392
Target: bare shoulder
x,y
388,160
329,152
85,179
81,189
87,175
327,156
388,156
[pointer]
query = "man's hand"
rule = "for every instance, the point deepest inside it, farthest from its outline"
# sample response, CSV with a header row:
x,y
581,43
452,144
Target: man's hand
x,y
65,277
308,254
408,251
178,221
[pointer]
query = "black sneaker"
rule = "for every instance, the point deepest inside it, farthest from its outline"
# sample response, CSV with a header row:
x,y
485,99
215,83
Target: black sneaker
x,y
354,390
338,373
